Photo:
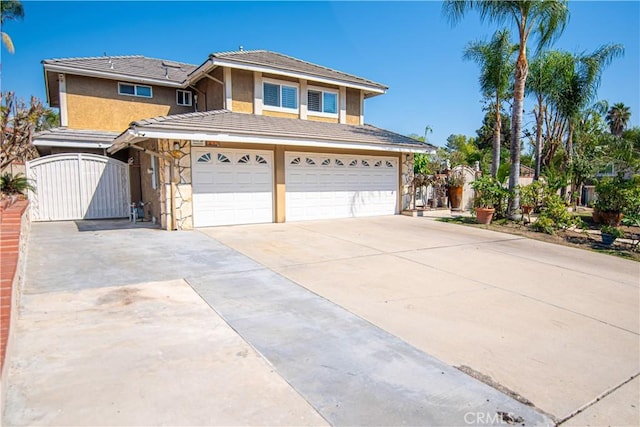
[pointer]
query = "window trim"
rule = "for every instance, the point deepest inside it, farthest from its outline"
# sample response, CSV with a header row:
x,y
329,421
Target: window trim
x,y
322,91
281,83
135,90
184,92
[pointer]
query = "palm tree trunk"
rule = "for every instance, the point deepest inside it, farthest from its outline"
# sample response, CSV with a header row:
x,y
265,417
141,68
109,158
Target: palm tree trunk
x,y
572,187
539,118
516,128
495,164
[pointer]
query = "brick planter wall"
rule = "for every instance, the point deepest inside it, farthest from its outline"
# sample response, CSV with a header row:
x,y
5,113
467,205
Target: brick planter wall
x,y
13,232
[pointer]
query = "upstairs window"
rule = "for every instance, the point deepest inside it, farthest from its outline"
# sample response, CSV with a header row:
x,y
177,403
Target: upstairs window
x,y
135,90
322,101
280,96
183,97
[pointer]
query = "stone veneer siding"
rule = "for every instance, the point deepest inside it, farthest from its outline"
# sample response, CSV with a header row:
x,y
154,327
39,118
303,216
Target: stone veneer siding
x,y
406,178
183,189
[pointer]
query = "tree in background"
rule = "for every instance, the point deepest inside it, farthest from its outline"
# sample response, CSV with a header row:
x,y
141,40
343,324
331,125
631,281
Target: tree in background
x,y
547,19
617,118
10,10
19,122
496,67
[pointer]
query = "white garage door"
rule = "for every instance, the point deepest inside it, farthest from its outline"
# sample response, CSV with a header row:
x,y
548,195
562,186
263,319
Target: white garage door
x,y
232,186
78,186
323,186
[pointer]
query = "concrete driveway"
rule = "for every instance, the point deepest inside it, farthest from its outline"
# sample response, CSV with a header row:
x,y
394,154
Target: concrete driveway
x,y
350,322
557,325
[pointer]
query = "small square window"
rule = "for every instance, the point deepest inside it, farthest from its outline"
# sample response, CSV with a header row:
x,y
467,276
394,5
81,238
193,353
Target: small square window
x,y
329,102
124,89
183,97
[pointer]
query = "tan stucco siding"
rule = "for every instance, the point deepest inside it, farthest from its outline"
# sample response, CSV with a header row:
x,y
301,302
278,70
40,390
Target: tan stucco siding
x,y
94,103
278,77
211,96
279,114
354,106
242,91
322,119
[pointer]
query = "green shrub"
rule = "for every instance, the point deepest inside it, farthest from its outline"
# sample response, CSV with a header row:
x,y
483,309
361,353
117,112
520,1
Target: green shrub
x,y
489,193
618,195
611,230
532,194
554,216
15,184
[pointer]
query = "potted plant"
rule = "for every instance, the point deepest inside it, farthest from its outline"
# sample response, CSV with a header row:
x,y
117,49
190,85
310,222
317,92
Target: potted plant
x,y
609,234
488,194
13,187
613,196
455,185
530,196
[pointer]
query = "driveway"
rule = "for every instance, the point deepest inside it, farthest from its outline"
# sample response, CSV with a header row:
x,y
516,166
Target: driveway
x,y
557,325
349,322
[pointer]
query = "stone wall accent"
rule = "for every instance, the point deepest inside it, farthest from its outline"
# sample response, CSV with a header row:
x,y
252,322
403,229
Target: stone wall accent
x,y
406,178
183,188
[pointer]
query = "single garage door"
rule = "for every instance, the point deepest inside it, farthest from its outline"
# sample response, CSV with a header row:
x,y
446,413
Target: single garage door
x,y
78,186
232,186
320,186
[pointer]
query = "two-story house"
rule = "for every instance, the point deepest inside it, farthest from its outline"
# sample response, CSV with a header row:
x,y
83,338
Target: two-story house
x,y
246,137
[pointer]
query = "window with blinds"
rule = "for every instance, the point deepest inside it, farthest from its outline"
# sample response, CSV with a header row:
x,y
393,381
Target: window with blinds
x,y
321,101
280,96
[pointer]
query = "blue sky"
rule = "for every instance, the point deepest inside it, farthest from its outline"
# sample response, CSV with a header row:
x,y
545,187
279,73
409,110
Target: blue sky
x,y
409,46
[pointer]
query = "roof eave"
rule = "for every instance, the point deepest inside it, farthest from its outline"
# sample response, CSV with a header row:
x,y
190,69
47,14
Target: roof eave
x,y
213,62
112,76
134,134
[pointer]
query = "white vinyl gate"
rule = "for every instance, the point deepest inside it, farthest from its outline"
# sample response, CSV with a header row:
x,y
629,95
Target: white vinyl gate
x,y
78,186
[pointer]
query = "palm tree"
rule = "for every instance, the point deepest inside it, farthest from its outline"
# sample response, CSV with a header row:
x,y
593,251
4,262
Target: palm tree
x,y
10,10
547,19
544,82
581,85
495,60
617,118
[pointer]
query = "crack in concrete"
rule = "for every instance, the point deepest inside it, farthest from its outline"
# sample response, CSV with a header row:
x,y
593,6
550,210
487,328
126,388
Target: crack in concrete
x,y
597,399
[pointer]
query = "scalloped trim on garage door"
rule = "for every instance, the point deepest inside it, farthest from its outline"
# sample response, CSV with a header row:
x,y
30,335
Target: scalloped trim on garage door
x,y
322,186
231,186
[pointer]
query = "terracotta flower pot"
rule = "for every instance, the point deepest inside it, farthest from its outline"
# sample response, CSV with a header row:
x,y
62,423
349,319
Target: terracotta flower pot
x,y
608,218
455,197
484,215
526,209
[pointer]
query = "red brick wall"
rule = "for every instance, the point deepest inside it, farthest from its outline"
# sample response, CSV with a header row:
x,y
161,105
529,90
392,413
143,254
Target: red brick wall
x,y
10,225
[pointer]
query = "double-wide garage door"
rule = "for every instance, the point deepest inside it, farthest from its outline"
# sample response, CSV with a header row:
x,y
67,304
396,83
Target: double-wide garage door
x,y
321,186
232,186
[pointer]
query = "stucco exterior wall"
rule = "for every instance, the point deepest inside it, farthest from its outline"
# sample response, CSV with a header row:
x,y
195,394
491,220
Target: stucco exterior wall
x,y
354,106
322,119
242,91
211,93
95,104
280,114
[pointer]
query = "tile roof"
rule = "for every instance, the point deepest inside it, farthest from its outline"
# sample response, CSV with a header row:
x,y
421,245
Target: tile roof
x,y
136,66
287,63
226,122
64,137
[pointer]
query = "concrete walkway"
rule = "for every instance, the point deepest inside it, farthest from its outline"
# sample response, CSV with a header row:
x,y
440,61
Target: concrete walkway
x,y
558,325
110,333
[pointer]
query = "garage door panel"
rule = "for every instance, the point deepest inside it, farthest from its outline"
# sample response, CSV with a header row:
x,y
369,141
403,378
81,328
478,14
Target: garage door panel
x,y
232,187
333,186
